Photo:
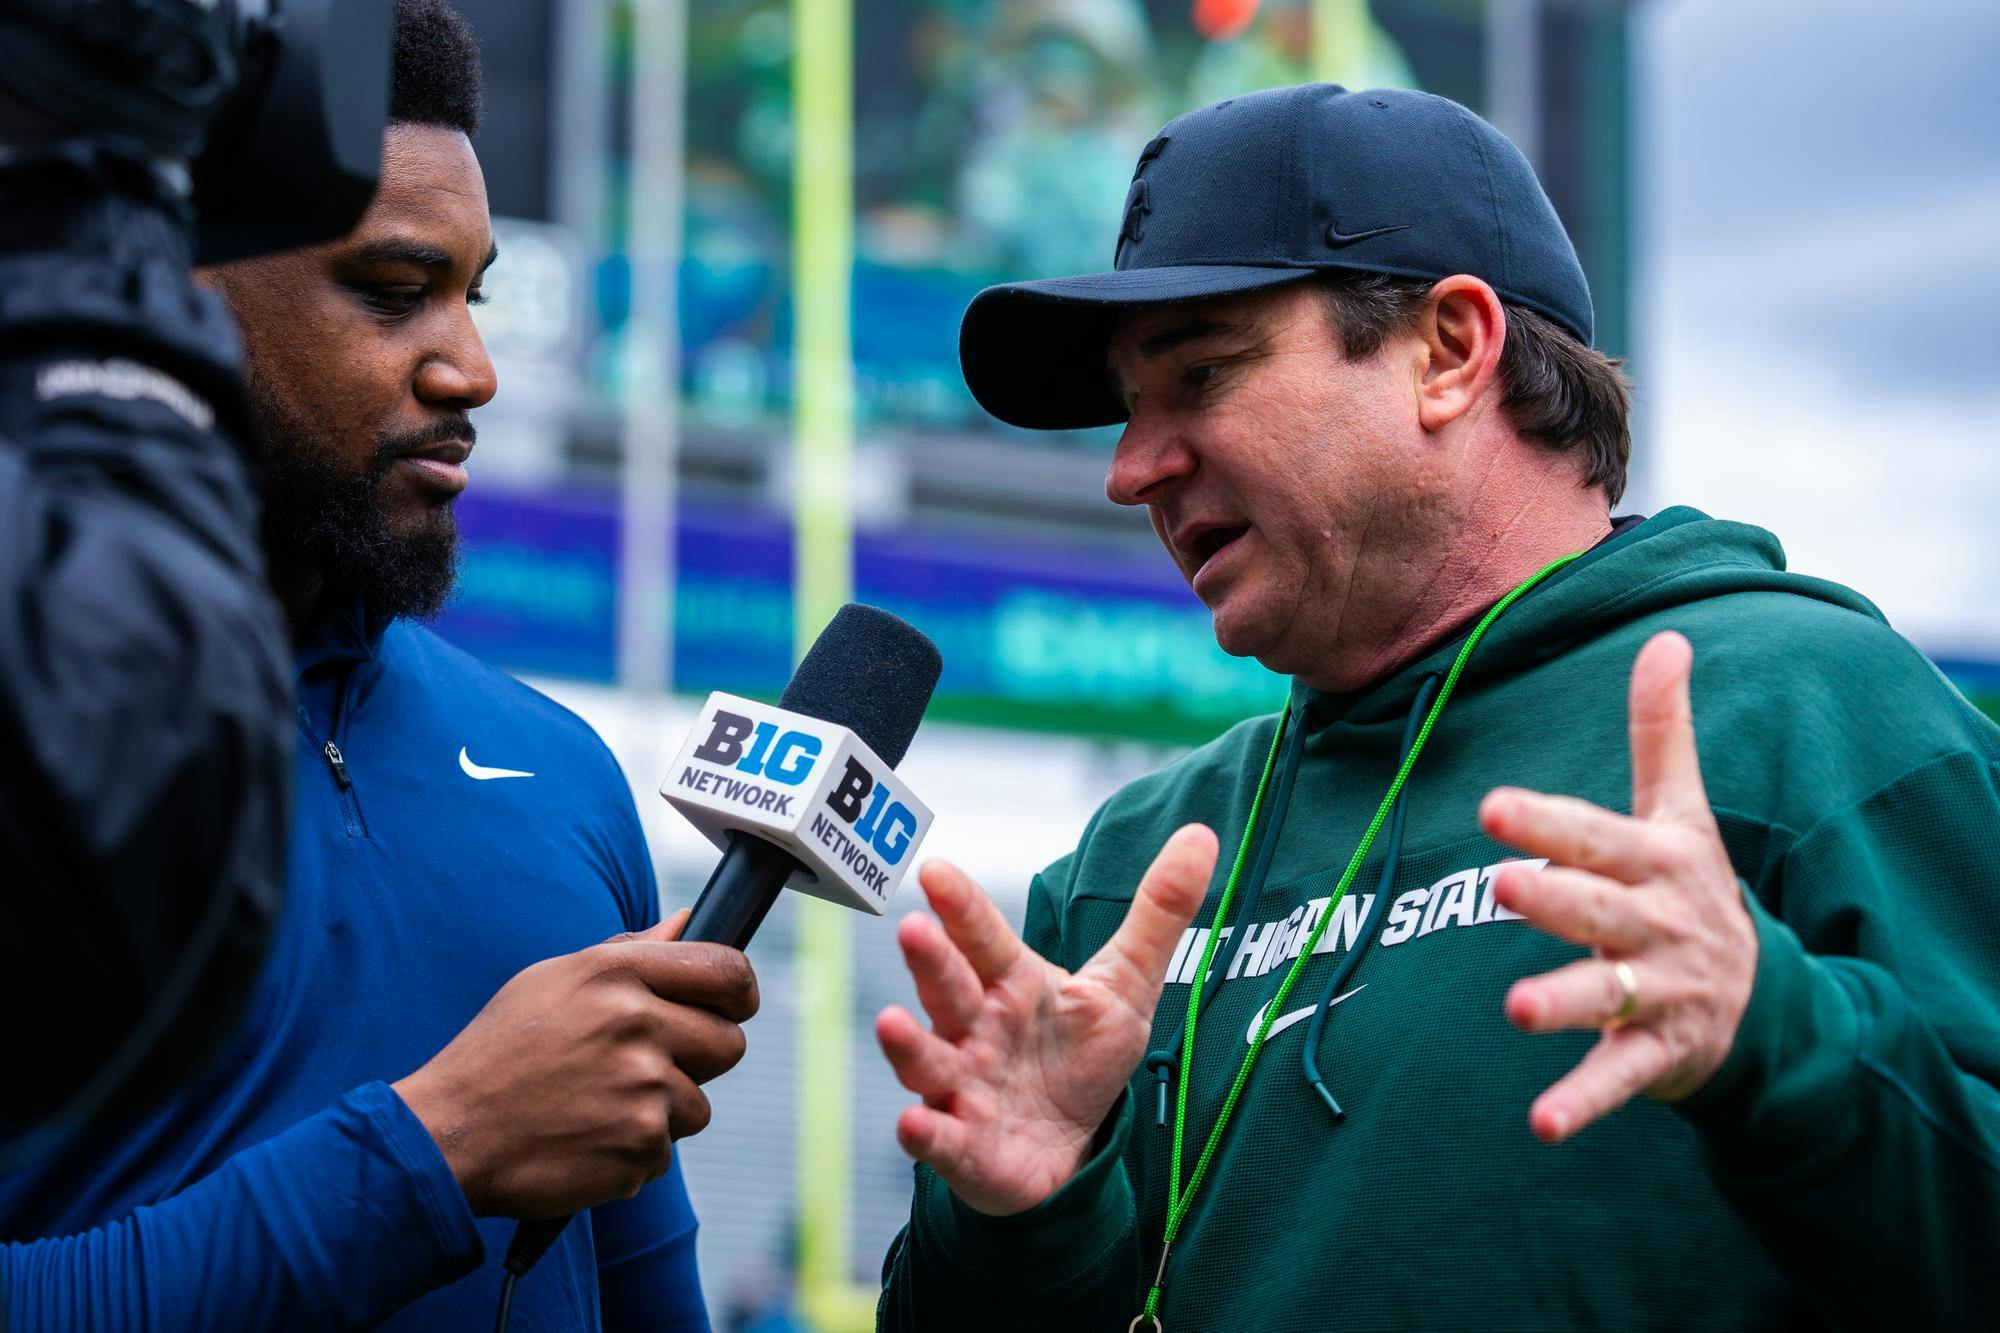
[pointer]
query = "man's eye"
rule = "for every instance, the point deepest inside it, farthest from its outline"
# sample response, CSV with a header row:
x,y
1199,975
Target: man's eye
x,y
391,300
1200,377
475,297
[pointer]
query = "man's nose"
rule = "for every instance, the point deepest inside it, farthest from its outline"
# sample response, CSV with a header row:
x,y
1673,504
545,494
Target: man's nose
x,y
1151,456
458,373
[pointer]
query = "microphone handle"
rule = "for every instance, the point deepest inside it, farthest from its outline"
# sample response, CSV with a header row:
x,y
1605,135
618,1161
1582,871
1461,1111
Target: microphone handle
x,y
748,879
734,902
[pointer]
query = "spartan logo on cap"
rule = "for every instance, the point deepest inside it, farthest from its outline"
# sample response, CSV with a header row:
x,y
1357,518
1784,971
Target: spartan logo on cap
x,y
1137,202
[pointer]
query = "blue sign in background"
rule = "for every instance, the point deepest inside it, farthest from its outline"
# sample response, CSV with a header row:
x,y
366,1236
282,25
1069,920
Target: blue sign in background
x,y
1079,638
1075,637
538,583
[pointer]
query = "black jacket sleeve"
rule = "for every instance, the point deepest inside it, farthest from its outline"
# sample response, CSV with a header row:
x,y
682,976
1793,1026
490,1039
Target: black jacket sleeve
x,y
145,712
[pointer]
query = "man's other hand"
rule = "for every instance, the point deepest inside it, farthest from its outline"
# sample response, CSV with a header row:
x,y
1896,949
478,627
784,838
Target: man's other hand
x,y
1023,1060
1653,892
568,1088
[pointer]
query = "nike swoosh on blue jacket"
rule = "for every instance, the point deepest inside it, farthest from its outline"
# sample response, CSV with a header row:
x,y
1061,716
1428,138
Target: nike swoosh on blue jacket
x,y
292,1188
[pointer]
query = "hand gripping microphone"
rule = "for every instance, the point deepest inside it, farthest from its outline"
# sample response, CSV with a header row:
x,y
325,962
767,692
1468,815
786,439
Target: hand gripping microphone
x,y
804,794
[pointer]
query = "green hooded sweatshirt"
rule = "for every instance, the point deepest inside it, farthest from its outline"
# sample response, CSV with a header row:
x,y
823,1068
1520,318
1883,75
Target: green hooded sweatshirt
x,y
1842,1168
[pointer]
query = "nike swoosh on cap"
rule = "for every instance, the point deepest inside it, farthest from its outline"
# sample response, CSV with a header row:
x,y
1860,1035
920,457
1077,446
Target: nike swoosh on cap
x,y
1335,236
1295,1016
483,773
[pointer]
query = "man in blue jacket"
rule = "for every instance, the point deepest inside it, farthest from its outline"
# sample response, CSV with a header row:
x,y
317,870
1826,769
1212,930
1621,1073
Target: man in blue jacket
x,y
471,1014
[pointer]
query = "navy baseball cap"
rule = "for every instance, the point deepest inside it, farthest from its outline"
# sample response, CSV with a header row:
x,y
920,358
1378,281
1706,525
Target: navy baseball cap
x,y
1266,189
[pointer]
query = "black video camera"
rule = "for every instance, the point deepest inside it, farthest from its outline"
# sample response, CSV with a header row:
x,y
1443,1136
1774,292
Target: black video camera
x,y
264,116
145,708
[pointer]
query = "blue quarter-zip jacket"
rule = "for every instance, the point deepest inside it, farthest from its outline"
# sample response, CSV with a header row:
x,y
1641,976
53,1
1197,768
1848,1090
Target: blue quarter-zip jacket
x,y
292,1188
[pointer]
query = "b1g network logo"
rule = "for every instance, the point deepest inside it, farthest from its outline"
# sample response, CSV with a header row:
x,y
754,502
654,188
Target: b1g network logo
x,y
811,787
759,749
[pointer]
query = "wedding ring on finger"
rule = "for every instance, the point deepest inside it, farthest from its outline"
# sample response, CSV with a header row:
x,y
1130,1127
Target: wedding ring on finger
x,y
1628,985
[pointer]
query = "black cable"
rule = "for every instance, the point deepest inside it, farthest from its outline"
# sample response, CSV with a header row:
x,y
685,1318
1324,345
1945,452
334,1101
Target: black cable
x,y
506,1302
531,1240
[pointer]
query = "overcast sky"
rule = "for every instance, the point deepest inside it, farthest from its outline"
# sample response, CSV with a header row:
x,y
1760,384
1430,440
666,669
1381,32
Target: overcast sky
x,y
1820,241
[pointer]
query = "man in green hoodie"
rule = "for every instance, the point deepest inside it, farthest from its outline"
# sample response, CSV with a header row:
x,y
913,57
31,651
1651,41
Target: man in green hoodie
x,y
1291,1088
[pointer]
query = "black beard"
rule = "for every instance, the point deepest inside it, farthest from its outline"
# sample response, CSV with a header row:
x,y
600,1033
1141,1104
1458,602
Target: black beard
x,y
322,521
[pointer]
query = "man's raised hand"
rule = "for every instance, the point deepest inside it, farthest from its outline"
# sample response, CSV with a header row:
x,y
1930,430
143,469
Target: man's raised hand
x,y
1023,1060
1653,894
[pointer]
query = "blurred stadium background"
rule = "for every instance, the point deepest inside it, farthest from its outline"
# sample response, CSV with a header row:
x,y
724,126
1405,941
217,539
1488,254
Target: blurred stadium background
x,y
736,238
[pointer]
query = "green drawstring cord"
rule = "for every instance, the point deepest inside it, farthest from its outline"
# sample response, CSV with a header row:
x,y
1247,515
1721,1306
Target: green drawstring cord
x,y
1161,1063
1178,1199
1393,852
1281,801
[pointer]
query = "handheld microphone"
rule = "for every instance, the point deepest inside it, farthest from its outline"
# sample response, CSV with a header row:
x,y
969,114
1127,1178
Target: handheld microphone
x,y
804,794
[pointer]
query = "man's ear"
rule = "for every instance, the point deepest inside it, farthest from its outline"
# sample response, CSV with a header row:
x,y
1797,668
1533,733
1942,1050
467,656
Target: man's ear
x,y
1462,326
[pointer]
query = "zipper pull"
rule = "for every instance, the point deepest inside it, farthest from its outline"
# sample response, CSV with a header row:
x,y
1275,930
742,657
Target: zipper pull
x,y
1162,1064
338,765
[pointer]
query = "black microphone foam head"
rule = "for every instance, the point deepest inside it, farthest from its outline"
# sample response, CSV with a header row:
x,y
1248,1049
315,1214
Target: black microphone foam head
x,y
870,672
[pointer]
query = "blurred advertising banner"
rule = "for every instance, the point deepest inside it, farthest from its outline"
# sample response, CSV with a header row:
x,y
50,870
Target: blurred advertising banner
x,y
1074,639
995,141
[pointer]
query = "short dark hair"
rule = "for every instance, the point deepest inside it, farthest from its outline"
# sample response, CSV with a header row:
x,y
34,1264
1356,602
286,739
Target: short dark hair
x,y
1559,392
436,78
